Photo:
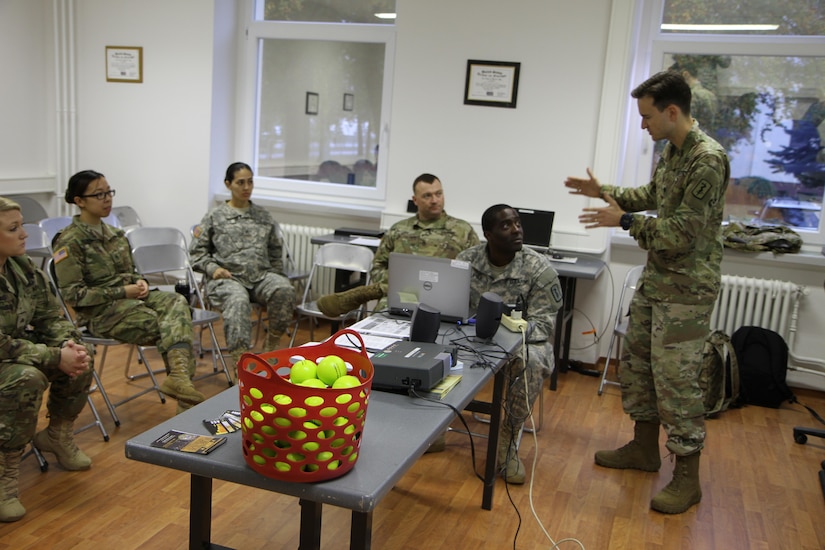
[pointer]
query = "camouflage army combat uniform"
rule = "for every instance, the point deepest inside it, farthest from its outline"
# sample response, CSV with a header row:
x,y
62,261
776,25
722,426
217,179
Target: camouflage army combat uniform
x,y
93,263
530,276
670,311
442,238
32,330
244,242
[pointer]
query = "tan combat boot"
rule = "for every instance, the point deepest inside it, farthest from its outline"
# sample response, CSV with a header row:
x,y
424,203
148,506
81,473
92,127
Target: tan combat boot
x,y
178,383
510,465
641,453
333,305
273,340
10,507
58,438
684,489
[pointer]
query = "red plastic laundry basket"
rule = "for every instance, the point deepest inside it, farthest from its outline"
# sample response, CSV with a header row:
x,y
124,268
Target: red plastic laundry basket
x,y
299,433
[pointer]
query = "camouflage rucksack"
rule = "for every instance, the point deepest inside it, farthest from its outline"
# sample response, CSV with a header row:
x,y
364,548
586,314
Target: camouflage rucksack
x,y
719,377
776,238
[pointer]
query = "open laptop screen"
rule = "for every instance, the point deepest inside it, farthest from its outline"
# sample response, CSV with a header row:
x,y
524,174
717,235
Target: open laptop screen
x,y
440,283
537,226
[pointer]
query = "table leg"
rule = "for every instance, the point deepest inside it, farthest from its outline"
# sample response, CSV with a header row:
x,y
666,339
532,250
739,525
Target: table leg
x,y
492,440
200,513
310,525
360,537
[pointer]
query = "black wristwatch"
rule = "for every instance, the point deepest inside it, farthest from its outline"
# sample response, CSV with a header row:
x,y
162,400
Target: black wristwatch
x,y
626,220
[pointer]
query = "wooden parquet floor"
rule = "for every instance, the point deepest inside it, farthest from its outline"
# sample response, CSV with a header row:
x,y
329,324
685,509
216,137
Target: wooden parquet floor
x,y
761,489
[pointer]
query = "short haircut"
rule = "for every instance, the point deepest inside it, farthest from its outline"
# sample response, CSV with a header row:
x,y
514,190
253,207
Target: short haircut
x,y
79,183
426,178
665,88
7,205
488,219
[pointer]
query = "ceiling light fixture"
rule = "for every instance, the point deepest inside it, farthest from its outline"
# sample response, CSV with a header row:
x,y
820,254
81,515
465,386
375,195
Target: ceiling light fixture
x,y
717,28
385,15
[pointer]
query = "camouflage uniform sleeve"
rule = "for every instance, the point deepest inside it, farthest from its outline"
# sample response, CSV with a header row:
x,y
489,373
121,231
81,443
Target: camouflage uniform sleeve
x,y
201,248
472,238
26,352
632,199
50,325
39,310
381,261
679,231
544,301
275,248
69,264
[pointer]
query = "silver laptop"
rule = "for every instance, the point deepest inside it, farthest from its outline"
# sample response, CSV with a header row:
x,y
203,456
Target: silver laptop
x,y
440,283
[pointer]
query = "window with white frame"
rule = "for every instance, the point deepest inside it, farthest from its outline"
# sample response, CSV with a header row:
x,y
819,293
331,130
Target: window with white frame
x,y
758,82
320,98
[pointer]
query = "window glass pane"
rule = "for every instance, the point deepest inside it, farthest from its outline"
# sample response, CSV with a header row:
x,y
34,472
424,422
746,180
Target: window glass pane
x,y
769,114
330,11
320,110
789,17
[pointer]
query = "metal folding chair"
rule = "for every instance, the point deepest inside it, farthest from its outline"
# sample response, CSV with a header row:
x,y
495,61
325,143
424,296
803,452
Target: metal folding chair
x,y
38,244
127,217
52,226
32,210
172,258
631,281
348,257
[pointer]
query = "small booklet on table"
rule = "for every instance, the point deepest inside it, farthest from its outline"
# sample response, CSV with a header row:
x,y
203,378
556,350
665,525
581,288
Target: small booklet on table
x,y
442,388
189,442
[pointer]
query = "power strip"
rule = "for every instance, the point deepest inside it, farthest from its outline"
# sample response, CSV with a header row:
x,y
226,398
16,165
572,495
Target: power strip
x,y
513,325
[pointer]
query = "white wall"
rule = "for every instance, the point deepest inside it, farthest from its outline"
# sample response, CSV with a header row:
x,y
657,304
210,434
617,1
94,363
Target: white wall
x,y
489,155
152,140
27,100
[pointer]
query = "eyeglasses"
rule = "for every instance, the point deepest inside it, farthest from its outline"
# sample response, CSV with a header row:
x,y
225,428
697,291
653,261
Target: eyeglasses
x,y
101,194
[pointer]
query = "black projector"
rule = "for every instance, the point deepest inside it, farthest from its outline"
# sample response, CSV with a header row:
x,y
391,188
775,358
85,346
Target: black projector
x,y
406,364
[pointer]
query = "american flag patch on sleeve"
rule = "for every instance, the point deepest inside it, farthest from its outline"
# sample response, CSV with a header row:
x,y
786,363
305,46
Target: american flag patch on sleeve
x,y
60,254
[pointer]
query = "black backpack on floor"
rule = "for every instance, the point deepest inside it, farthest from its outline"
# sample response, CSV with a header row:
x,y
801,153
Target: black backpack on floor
x,y
762,356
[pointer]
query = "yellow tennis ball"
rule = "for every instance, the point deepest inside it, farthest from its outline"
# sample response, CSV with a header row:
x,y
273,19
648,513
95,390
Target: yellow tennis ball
x,y
324,456
282,399
314,401
297,412
313,383
346,381
302,370
331,368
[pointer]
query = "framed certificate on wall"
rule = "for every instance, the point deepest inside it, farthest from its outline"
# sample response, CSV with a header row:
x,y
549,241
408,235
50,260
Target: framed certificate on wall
x,y
491,83
124,64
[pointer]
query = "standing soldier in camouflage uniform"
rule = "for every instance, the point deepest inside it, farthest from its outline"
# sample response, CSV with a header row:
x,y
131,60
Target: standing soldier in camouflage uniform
x,y
670,311
38,346
505,267
237,247
96,273
431,232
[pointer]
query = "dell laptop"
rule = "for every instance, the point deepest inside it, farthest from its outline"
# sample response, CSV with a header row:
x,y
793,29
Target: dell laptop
x,y
441,283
